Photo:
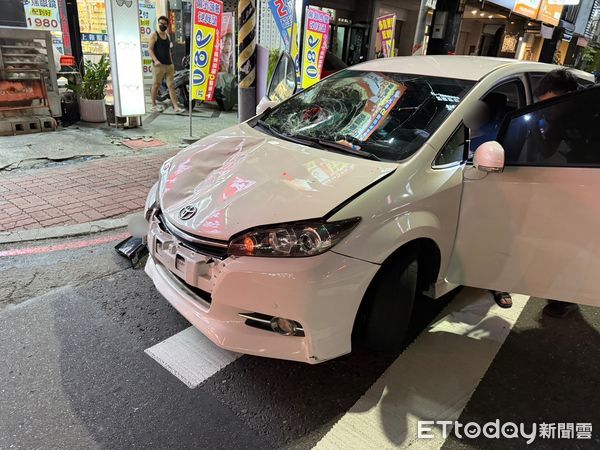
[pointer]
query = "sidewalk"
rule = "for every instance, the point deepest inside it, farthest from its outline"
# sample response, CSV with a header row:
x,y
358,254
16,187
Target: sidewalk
x,y
51,182
92,141
78,193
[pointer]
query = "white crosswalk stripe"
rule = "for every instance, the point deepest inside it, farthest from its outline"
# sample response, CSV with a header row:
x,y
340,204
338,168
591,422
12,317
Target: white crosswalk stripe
x,y
191,356
432,380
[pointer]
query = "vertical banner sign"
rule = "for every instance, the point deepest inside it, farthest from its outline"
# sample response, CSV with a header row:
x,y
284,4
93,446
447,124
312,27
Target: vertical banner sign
x,y
386,26
64,20
206,52
125,48
284,17
295,50
147,27
227,64
296,8
316,37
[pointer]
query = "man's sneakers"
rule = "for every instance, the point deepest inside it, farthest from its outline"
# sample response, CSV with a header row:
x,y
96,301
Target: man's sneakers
x,y
555,308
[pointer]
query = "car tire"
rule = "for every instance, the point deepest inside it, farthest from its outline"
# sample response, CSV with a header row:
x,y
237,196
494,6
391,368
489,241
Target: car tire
x,y
389,305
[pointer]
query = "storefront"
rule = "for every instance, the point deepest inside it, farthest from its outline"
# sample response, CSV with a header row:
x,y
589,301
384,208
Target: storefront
x,y
508,28
43,15
406,15
350,28
489,30
92,28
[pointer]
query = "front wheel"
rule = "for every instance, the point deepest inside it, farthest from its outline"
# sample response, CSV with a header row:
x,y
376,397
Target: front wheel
x,y
384,317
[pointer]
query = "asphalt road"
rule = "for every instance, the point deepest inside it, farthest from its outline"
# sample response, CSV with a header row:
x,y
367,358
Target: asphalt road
x,y
74,324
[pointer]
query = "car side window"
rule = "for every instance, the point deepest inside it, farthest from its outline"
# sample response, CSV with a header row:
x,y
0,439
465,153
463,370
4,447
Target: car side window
x,y
562,132
534,81
536,77
453,150
500,101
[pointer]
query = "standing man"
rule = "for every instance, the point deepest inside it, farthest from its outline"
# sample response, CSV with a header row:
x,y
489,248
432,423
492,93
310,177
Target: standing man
x,y
159,48
555,83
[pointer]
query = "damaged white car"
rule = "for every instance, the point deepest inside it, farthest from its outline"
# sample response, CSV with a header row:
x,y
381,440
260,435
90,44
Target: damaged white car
x,y
319,220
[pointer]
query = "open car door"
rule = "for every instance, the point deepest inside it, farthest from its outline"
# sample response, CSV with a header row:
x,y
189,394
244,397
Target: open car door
x,y
534,228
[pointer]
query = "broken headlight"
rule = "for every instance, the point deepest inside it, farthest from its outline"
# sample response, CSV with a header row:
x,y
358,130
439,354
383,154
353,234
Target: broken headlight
x,y
296,239
151,201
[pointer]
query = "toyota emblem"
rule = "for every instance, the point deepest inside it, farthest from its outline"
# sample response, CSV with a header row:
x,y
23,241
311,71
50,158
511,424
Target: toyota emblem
x,y
187,212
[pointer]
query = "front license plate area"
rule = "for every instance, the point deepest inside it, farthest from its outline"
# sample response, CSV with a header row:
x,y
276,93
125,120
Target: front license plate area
x,y
186,264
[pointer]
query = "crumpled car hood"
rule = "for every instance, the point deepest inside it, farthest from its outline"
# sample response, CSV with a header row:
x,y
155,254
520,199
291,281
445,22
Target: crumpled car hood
x,y
242,178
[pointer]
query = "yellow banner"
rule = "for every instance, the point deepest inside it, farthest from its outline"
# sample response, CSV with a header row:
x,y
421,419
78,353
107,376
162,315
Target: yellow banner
x,y
295,51
386,27
310,72
204,44
316,34
206,55
549,14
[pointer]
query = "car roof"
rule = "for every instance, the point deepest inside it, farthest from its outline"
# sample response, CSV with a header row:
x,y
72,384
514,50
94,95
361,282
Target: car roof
x,y
448,66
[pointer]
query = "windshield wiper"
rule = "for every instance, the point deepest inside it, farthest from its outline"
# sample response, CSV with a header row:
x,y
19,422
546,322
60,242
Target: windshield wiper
x,y
264,125
352,149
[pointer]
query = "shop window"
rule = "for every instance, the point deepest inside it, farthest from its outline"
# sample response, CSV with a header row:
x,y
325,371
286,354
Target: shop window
x,y
535,78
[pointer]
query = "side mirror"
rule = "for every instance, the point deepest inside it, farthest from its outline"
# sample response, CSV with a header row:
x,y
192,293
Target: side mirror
x,y
489,157
264,104
283,81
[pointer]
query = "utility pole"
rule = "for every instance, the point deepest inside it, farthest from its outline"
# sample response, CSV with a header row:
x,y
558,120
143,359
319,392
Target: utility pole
x,y
420,31
247,59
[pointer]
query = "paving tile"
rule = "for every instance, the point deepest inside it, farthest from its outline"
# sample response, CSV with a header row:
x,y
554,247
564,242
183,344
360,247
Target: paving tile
x,y
66,195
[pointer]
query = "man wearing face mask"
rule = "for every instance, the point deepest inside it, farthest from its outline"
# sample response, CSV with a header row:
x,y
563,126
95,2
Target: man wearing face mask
x,y
159,48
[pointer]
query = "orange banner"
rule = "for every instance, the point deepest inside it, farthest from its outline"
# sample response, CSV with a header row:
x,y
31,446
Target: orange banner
x,y
527,8
549,14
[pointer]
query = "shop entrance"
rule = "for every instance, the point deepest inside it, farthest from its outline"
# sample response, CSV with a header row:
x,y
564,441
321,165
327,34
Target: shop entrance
x,y
349,35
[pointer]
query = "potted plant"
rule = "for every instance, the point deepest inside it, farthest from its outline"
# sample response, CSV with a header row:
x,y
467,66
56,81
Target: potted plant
x,y
91,90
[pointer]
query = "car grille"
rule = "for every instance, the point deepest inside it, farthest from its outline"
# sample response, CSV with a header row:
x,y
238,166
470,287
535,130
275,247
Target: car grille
x,y
208,247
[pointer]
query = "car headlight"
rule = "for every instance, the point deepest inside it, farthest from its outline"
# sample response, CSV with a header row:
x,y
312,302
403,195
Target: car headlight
x,y
152,200
296,239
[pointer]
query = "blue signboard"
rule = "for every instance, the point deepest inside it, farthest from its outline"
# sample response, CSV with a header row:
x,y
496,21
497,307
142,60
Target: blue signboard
x,y
94,37
284,16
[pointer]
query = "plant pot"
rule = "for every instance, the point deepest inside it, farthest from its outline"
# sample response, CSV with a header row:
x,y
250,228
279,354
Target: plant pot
x,y
92,110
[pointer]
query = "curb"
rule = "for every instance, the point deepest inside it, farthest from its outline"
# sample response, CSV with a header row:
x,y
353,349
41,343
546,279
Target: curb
x,y
13,237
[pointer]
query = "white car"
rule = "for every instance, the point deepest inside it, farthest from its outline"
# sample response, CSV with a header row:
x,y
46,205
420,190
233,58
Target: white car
x,y
317,222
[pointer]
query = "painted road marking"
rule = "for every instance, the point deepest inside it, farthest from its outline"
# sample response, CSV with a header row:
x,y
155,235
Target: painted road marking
x,y
432,380
191,356
65,246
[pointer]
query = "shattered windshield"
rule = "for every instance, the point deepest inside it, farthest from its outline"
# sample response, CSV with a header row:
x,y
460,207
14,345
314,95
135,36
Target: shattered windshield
x,y
386,116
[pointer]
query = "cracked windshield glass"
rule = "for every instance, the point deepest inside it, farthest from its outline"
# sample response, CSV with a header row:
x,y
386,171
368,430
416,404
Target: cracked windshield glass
x,y
385,116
